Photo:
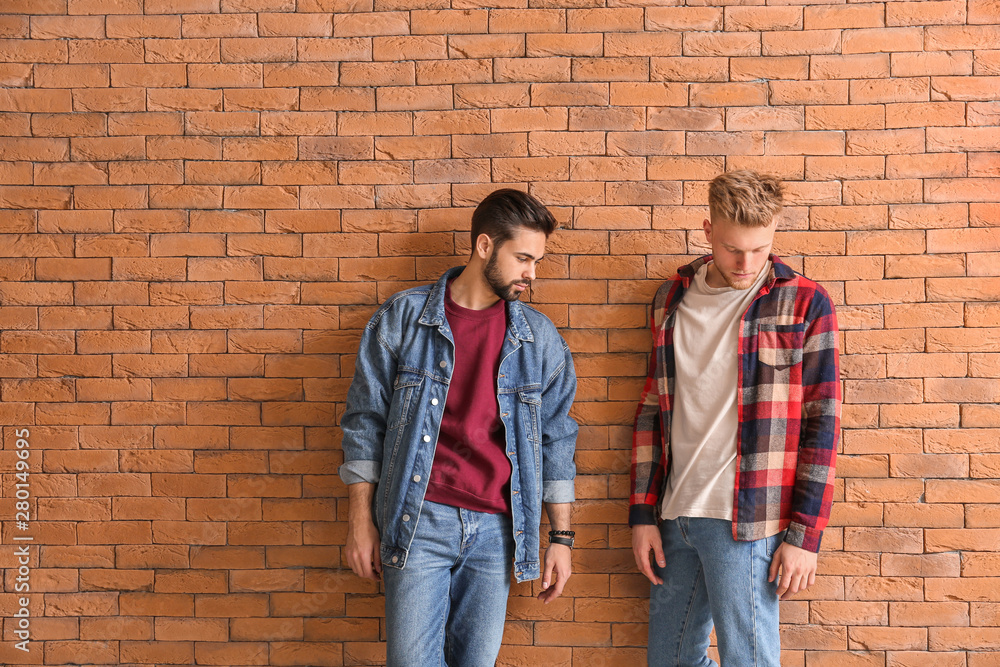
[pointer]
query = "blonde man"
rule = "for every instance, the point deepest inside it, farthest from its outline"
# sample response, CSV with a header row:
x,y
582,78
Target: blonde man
x,y
735,438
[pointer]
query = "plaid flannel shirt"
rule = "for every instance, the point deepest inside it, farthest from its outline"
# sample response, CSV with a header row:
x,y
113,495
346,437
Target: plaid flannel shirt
x,y
788,409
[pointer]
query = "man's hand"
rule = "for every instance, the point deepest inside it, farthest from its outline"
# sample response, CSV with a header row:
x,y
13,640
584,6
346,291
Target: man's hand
x,y
558,561
798,569
644,538
363,543
363,550
558,557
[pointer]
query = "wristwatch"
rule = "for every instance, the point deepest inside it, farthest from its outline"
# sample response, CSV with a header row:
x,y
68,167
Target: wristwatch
x,y
563,537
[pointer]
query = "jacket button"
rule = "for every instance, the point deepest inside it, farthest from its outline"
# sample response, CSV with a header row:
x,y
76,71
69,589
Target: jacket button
x,y
443,364
406,517
434,401
416,478
427,438
395,559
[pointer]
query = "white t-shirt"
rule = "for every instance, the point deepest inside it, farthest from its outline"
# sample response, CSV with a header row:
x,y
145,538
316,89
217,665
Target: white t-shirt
x,y
702,476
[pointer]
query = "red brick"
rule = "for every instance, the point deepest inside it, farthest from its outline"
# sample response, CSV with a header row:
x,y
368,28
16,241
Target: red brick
x,y
527,20
800,42
935,63
721,44
963,88
629,46
918,14
843,16
535,45
688,68
887,40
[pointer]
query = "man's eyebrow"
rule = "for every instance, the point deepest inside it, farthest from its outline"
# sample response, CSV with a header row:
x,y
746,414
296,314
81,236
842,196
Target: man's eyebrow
x,y
530,256
732,247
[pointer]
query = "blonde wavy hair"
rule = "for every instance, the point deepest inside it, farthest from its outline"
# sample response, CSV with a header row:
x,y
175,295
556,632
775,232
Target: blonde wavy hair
x,y
745,197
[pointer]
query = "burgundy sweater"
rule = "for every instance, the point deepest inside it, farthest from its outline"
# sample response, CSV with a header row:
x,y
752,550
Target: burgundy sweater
x,y
471,469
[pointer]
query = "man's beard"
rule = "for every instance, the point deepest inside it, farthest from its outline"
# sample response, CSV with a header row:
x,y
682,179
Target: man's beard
x,y
503,290
745,283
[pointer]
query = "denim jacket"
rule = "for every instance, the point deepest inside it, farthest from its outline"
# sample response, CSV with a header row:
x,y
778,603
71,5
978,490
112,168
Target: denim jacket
x,y
397,398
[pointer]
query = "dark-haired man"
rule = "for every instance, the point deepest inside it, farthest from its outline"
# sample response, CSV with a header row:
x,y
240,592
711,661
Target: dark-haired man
x,y
456,432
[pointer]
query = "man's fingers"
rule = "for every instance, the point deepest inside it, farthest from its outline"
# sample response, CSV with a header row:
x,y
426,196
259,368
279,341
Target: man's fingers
x,y
365,565
356,564
794,586
645,539
547,576
785,581
363,550
365,568
560,585
775,564
642,562
658,554
557,572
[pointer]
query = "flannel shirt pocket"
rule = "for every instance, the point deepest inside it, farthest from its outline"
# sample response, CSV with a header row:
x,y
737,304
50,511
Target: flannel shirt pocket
x,y
780,346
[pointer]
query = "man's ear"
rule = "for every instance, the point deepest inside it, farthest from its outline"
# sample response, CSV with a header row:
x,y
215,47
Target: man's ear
x,y
707,226
483,247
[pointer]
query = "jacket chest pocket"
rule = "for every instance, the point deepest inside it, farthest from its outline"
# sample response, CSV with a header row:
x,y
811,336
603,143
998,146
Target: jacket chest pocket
x,y
404,390
780,346
529,403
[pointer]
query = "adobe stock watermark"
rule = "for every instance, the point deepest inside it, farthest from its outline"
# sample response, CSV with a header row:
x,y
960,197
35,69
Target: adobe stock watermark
x,y
22,551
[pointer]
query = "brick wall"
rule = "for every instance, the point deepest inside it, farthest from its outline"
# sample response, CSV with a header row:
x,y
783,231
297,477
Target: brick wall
x,y
204,200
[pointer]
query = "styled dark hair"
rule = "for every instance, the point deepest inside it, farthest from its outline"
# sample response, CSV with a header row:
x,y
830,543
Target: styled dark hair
x,y
502,212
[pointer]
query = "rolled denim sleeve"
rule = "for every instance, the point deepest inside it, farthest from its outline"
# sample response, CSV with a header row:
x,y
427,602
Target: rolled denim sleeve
x,y
364,420
559,431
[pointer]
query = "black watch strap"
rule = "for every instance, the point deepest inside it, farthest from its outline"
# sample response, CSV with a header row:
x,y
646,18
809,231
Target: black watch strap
x,y
559,539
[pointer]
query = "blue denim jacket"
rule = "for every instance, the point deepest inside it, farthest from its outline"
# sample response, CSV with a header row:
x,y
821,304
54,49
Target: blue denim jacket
x,y
397,399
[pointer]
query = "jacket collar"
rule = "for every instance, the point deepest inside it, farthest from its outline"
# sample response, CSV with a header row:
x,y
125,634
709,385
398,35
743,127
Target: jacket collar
x,y
433,313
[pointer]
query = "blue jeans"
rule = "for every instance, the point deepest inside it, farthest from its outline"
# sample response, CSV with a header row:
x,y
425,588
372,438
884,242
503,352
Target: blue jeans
x,y
448,605
710,576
